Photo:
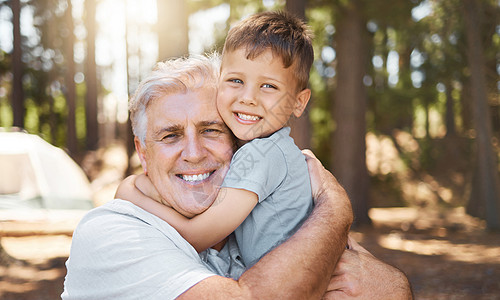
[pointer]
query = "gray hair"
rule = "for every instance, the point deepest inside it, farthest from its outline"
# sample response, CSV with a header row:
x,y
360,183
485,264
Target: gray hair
x,y
175,76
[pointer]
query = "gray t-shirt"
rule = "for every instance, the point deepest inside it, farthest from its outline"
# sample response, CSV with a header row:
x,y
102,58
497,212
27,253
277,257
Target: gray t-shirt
x,y
120,251
275,169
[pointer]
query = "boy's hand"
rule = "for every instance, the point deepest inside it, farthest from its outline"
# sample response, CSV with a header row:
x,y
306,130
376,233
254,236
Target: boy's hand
x,y
138,189
126,190
144,184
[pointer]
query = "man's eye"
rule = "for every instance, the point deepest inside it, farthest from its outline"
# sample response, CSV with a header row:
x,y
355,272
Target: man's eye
x,y
169,137
212,132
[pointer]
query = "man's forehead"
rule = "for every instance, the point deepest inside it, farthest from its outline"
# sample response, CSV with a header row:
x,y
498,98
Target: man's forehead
x,y
179,114
177,124
192,104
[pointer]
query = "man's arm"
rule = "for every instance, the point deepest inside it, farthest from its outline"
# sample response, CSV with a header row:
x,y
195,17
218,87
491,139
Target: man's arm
x,y
359,275
301,267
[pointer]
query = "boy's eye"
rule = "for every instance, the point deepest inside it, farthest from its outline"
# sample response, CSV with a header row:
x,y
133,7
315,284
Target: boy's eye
x,y
235,80
269,86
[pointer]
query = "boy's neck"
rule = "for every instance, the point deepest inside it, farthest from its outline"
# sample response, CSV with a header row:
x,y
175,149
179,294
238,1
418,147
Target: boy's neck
x,y
240,143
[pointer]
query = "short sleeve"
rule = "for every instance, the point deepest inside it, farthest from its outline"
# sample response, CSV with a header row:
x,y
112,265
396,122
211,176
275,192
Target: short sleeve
x,y
258,166
119,256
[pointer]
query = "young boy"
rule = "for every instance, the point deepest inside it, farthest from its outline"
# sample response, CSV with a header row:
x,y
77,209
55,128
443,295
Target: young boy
x,y
266,194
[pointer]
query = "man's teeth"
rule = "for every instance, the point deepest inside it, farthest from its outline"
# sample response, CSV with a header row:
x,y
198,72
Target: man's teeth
x,y
193,178
247,117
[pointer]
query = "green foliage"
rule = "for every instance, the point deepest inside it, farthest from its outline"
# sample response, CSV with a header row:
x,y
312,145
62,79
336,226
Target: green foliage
x,y
404,94
6,119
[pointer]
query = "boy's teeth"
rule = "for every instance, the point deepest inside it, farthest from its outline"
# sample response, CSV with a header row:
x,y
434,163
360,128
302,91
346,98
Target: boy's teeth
x,y
247,117
192,178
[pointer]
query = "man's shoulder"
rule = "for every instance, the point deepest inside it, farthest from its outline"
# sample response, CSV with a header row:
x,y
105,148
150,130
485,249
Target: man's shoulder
x,y
107,213
118,217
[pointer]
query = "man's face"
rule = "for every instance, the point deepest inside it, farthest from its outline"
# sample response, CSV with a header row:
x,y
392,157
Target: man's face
x,y
187,150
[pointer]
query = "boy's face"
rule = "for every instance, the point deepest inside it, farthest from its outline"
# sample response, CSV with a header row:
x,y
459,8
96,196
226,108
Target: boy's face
x,y
257,97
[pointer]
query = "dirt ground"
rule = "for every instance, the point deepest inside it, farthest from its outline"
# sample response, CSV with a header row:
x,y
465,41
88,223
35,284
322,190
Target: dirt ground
x,y
445,255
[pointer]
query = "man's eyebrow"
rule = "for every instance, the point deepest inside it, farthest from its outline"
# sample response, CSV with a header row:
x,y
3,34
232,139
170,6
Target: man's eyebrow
x,y
210,123
171,128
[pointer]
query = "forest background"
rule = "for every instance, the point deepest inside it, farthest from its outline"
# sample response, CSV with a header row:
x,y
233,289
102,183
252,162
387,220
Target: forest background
x,y
405,108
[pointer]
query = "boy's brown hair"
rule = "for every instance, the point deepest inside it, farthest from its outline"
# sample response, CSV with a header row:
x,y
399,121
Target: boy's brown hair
x,y
287,36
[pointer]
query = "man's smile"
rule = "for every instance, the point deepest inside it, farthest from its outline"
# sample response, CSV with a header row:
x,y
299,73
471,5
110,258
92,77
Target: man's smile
x,y
195,177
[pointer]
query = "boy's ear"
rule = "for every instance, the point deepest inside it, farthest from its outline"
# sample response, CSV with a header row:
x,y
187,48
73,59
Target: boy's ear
x,y
301,101
140,152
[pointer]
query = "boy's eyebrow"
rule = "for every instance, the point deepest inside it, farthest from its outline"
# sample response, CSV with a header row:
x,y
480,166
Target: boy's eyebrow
x,y
272,78
233,73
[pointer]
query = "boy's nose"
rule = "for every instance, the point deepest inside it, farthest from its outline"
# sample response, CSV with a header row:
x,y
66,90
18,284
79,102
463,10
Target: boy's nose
x,y
248,97
248,101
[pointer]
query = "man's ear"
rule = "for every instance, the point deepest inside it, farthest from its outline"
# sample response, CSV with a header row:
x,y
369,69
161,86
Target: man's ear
x,y
301,101
141,152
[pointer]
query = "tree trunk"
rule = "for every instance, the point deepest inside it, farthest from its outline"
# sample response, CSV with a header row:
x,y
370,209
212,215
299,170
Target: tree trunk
x,y
450,112
301,127
71,142
17,67
350,104
466,111
172,28
487,190
91,77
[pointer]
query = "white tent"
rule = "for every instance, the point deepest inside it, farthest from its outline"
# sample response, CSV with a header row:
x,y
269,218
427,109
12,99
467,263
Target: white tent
x,y
35,174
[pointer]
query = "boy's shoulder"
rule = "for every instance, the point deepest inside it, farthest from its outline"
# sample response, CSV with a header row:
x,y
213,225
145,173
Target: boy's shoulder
x,y
279,145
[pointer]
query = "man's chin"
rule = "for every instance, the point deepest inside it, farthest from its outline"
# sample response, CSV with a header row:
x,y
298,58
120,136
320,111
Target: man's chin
x,y
195,203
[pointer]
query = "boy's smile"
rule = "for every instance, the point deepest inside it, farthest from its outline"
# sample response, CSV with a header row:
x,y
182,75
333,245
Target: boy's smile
x,y
257,97
246,119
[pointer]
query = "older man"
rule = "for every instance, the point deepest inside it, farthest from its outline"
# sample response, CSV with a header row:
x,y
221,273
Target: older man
x,y
120,251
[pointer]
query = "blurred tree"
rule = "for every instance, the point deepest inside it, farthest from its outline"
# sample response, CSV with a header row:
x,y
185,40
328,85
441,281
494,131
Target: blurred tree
x,y
91,77
485,199
71,142
301,127
172,28
17,67
349,107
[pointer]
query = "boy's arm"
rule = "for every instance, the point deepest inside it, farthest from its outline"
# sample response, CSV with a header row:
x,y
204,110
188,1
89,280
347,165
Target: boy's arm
x,y
229,210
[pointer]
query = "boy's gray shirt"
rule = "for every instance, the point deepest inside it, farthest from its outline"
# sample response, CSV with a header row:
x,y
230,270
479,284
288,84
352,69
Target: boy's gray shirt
x,y
275,169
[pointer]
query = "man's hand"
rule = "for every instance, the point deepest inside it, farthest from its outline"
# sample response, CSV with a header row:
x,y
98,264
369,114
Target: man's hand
x,y
325,187
359,275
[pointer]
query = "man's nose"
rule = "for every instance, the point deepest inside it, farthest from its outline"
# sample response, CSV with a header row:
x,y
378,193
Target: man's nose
x,y
194,150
